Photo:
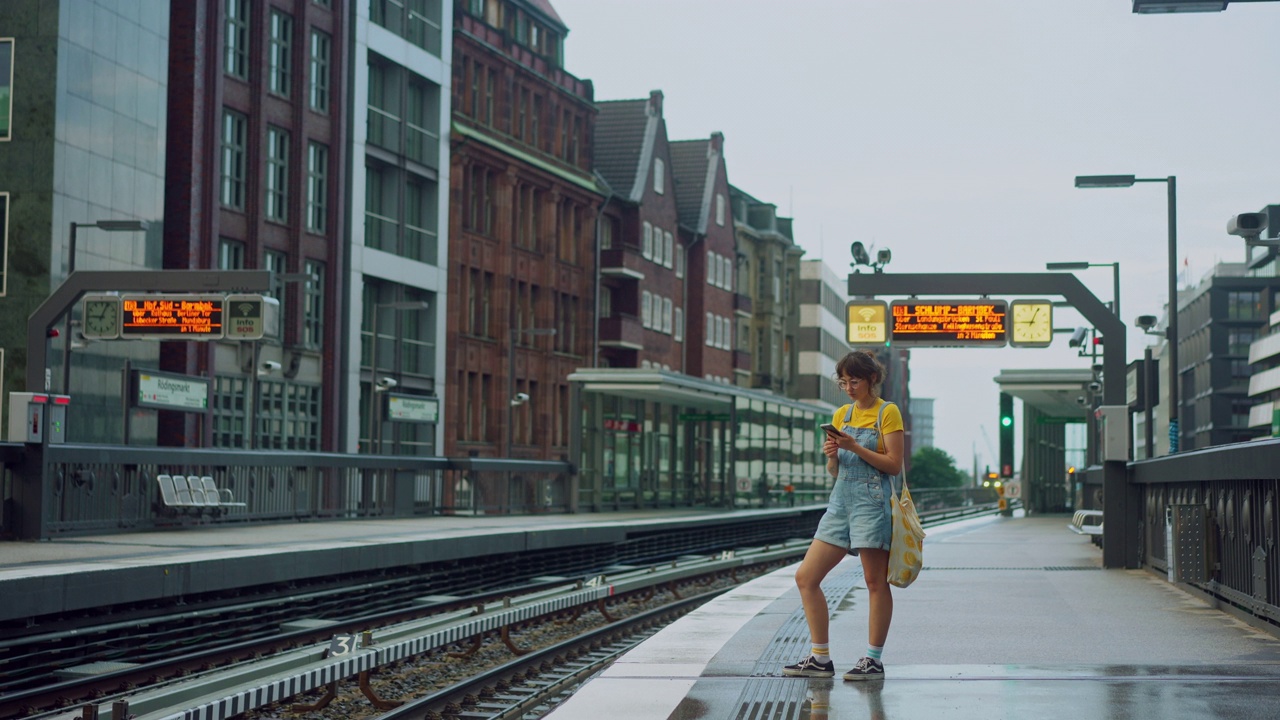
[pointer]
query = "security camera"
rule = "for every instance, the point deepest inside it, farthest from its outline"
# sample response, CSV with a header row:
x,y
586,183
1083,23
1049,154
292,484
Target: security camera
x,y
1146,322
1095,386
519,399
268,366
883,256
1247,225
859,253
1082,400
386,383
1077,337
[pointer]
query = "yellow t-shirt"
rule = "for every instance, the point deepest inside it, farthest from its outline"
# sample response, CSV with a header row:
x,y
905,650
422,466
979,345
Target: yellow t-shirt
x,y
891,422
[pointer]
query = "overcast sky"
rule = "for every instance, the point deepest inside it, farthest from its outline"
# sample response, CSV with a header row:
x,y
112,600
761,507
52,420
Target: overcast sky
x,y
950,131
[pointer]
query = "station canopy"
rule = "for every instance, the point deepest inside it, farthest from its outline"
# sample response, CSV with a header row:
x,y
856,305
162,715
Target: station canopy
x,y
1055,393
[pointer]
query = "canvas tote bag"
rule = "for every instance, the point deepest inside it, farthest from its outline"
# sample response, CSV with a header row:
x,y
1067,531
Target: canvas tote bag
x,y
906,549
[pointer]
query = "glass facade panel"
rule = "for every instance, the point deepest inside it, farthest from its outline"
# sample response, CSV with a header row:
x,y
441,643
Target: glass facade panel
x,y
4,243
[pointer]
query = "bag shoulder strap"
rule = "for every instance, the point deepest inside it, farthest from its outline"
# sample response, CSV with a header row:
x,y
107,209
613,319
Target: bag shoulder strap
x,y
880,433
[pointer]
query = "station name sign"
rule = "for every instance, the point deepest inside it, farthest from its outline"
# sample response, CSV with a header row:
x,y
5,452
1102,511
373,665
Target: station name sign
x,y
949,323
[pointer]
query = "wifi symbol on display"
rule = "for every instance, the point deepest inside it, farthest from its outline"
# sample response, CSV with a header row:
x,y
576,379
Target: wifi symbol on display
x,y
866,314
245,308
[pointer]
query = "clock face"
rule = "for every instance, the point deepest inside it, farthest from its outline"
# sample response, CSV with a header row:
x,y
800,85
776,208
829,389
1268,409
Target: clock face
x,y
1032,323
102,318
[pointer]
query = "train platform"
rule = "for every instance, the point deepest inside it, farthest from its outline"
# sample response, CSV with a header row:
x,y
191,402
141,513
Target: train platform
x,y
83,574
1010,618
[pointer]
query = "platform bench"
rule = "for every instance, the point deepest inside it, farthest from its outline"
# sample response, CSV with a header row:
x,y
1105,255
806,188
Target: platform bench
x,y
1086,522
192,492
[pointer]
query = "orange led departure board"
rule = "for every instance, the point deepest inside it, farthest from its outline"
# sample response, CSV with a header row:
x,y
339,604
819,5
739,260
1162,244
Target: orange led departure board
x,y
171,317
949,323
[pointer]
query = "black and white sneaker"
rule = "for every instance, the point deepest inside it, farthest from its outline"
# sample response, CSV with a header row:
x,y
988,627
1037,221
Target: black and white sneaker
x,y
809,667
866,669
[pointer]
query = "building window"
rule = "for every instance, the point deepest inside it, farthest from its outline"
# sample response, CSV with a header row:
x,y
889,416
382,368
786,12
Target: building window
x,y
606,302
422,122
278,55
1244,305
230,254
4,243
424,25
287,416
320,48
233,159
607,231
679,260
646,299
677,325
313,306
236,42
480,198
277,182
420,220
666,315
659,176
646,241
230,412
317,186
489,88
277,263
6,89
720,209
668,249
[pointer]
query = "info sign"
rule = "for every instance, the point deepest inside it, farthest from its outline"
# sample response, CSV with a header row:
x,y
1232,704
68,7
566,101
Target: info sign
x,y
171,317
866,322
949,323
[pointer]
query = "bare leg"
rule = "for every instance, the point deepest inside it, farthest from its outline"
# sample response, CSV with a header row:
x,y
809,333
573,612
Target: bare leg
x,y
817,562
875,570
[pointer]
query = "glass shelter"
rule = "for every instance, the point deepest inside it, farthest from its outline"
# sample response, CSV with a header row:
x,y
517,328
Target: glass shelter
x,y
652,438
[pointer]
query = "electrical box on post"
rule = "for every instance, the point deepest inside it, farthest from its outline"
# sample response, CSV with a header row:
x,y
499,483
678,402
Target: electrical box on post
x,y
27,416
1113,430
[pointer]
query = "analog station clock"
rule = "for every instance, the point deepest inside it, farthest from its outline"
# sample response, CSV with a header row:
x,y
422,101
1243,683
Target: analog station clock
x,y
1032,324
101,317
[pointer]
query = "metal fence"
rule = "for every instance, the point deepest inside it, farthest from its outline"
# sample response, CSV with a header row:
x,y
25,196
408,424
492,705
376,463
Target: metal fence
x,y
1237,487
72,490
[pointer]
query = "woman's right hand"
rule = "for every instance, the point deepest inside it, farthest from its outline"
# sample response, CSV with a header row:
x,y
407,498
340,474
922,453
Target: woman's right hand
x,y
830,448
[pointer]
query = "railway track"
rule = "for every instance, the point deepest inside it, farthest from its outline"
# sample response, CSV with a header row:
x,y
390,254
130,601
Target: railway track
x,y
364,668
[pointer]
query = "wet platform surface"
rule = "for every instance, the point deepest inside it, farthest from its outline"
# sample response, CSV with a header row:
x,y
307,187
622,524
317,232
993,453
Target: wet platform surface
x,y
1011,618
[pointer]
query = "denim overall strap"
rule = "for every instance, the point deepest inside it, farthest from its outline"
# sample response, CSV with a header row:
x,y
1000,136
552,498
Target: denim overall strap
x,y
853,467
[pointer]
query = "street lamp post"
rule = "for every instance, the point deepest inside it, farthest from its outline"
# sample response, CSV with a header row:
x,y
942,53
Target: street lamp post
x,y
515,400
1111,181
108,226
374,380
1115,277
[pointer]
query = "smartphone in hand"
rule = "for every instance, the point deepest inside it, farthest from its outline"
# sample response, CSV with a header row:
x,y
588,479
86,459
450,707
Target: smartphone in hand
x,y
831,429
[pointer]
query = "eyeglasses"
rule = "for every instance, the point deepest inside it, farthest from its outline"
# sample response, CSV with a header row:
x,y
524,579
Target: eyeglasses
x,y
846,384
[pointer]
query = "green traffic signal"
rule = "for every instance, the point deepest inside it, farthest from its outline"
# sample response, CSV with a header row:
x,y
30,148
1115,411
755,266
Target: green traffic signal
x,y
1006,421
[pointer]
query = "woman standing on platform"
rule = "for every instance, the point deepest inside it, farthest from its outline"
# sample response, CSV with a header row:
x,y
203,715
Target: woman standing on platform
x,y
858,520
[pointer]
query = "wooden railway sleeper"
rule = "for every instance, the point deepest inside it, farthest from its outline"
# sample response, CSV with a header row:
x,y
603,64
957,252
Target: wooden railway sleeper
x,y
369,692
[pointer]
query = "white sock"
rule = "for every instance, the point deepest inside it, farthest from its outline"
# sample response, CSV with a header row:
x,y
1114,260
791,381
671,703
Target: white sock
x,y
822,652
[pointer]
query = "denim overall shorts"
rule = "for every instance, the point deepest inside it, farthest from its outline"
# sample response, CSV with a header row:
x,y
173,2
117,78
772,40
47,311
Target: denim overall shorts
x,y
858,513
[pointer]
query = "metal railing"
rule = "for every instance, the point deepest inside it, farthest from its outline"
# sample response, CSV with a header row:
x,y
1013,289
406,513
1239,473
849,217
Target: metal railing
x,y
1238,487
68,490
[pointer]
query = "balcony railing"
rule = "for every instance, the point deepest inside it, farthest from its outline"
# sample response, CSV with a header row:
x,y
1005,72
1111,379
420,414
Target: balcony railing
x,y
624,261
622,331
742,303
